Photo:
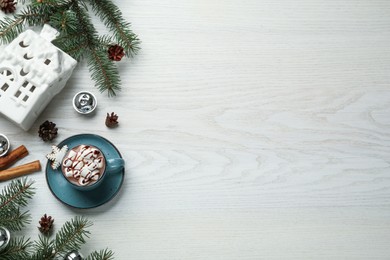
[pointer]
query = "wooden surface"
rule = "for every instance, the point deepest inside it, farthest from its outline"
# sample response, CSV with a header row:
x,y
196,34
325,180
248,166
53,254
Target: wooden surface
x,y
250,129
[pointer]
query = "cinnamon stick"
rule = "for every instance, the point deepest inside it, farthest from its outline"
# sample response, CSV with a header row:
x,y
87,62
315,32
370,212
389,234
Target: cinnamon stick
x,y
20,170
13,156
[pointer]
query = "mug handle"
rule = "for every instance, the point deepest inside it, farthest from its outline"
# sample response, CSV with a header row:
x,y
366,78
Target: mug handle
x,y
114,165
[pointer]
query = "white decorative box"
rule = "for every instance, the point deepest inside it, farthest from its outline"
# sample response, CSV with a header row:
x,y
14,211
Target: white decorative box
x,y
32,72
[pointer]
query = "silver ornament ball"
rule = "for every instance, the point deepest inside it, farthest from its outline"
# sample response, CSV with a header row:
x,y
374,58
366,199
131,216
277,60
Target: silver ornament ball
x,y
84,102
4,145
73,255
4,238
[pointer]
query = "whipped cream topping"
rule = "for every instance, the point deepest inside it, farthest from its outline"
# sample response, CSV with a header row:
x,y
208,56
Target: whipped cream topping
x,y
84,164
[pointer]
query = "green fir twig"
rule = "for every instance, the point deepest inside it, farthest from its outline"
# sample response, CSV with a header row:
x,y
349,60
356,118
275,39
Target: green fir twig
x,y
15,196
112,18
101,255
18,248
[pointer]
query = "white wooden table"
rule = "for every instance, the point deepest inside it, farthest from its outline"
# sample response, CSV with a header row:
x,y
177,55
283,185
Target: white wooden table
x,y
250,129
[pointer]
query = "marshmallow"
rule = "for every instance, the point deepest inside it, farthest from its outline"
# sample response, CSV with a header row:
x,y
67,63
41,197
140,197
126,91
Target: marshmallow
x,y
72,155
67,162
76,174
85,165
84,172
77,165
99,162
68,172
82,181
92,166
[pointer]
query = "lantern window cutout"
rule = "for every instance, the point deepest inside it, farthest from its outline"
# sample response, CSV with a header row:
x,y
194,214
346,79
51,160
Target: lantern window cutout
x,y
8,77
22,73
32,72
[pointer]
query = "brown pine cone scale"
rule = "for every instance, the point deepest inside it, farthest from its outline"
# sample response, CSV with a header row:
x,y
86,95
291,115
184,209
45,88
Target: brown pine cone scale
x,y
7,6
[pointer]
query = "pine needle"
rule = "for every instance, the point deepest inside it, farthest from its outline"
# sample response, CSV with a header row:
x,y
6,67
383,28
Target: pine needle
x,y
101,255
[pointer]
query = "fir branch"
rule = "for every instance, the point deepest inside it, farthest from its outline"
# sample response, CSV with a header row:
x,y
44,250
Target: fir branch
x,y
78,35
35,15
18,248
31,15
14,196
65,22
106,40
17,193
13,219
10,29
101,255
43,249
74,47
112,17
103,72
86,29
57,13
71,236
51,3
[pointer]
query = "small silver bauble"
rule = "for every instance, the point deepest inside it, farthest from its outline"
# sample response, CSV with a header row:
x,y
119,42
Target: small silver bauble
x,y
4,145
73,255
84,102
4,238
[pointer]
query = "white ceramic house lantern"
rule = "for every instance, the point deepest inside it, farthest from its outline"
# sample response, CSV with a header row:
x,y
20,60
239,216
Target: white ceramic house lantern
x,y
32,72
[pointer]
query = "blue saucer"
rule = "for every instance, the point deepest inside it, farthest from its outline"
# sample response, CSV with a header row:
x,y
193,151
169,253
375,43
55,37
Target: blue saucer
x,y
68,195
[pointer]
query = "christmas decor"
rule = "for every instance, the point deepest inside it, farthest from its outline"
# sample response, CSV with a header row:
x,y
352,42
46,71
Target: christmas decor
x,y
20,170
84,102
48,131
13,198
78,36
73,255
68,239
45,224
57,155
4,238
115,52
111,120
32,71
7,6
4,145
13,156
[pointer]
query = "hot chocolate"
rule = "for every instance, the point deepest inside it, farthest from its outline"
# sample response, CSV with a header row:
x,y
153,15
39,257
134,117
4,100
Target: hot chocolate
x,y
83,165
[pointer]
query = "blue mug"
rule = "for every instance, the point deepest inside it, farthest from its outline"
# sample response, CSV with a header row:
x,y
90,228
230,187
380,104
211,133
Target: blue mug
x,y
111,166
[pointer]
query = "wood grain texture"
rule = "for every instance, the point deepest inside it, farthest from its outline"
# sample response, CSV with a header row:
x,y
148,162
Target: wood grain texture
x,y
251,130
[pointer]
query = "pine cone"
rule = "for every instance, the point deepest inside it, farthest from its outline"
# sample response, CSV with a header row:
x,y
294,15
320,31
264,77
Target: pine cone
x,y
46,223
7,6
47,131
115,52
111,120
